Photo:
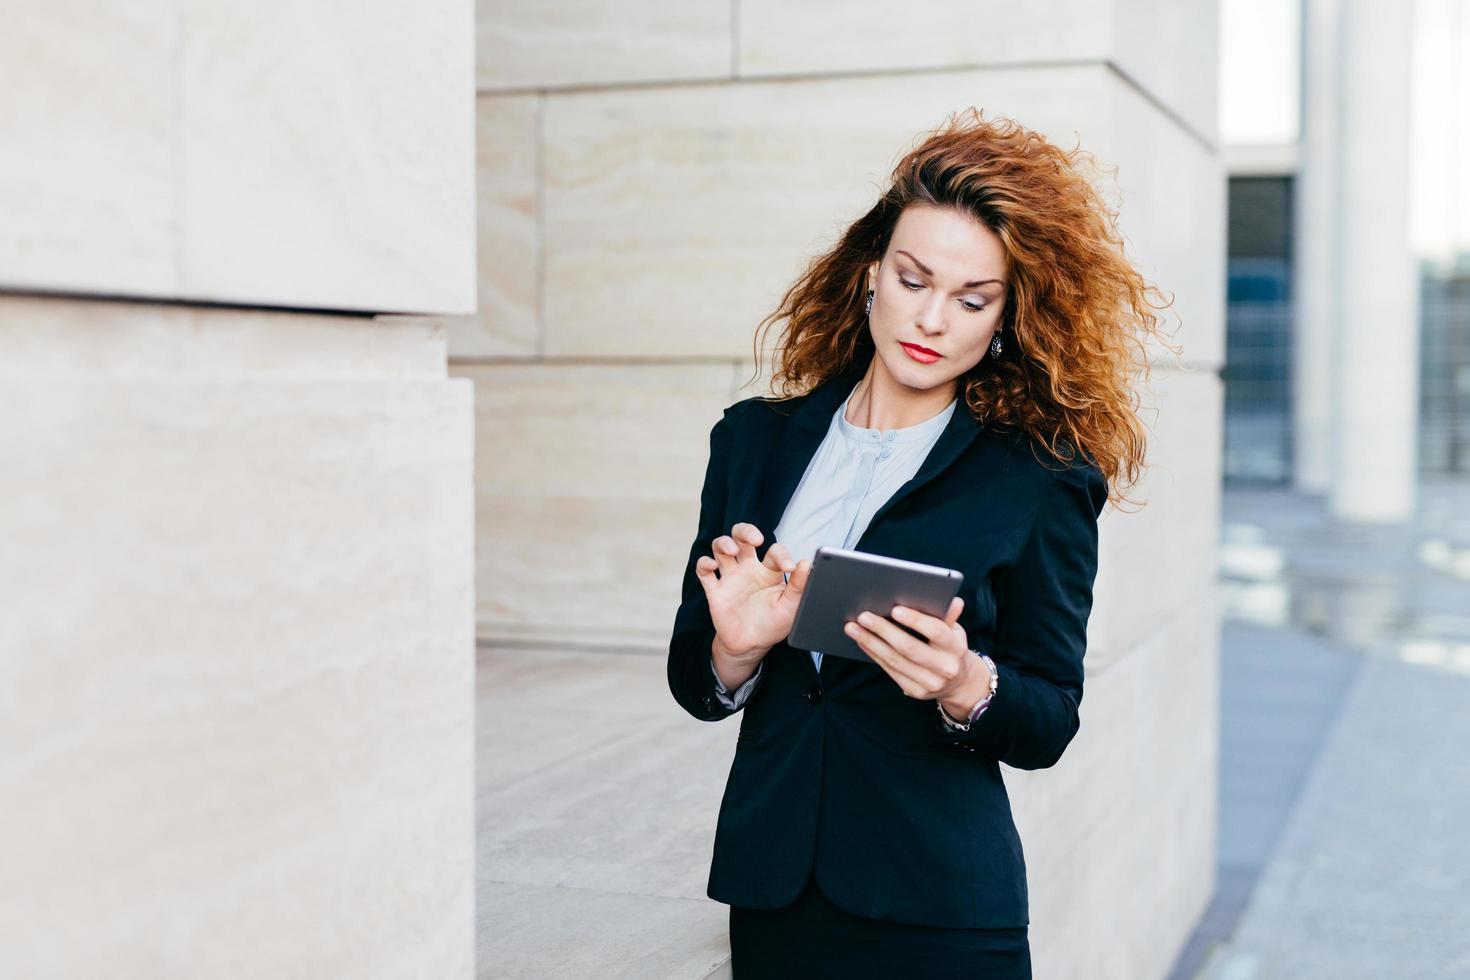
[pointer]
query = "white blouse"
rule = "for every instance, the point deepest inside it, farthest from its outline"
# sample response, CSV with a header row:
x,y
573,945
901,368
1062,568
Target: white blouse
x,y
852,474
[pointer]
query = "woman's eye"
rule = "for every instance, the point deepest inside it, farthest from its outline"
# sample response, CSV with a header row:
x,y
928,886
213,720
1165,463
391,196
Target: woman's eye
x,y
911,286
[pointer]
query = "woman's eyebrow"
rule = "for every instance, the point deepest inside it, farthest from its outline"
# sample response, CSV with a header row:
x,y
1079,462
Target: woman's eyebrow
x,y
929,272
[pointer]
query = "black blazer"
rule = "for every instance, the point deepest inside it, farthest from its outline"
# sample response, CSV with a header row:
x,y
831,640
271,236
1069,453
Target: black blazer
x,y
841,771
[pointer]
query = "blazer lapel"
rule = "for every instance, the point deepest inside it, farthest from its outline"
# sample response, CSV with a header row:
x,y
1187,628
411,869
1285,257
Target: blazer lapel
x,y
957,436
803,433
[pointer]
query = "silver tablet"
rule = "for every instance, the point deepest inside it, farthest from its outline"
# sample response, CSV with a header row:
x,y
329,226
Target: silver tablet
x,y
843,583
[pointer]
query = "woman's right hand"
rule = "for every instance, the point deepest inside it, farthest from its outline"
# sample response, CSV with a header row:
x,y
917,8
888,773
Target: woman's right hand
x,y
751,603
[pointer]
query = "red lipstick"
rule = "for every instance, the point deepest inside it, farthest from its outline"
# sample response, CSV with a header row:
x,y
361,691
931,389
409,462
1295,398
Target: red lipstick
x,y
919,353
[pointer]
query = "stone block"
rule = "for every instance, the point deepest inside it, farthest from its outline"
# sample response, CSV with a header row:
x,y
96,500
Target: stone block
x,y
587,487
1160,549
238,665
88,164
676,217
523,44
507,186
224,153
1120,834
1168,50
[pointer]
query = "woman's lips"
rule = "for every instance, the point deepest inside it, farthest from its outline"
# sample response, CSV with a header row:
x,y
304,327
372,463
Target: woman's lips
x,y
920,354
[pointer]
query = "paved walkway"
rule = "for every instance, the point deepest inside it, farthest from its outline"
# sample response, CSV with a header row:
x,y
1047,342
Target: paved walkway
x,y
1280,692
1371,877
1345,745
593,827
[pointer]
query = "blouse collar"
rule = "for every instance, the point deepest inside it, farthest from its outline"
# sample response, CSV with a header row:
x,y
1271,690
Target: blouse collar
x,y
927,429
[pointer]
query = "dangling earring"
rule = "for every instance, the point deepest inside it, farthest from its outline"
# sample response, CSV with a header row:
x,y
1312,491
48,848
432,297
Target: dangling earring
x,y
869,310
995,344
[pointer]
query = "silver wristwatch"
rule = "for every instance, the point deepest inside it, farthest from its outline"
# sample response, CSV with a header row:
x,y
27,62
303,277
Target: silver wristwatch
x,y
979,706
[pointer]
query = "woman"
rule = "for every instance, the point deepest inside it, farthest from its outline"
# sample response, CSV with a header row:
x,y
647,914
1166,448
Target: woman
x,y
955,379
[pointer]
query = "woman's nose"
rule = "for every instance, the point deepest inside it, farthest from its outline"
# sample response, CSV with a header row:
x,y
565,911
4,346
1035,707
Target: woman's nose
x,y
931,317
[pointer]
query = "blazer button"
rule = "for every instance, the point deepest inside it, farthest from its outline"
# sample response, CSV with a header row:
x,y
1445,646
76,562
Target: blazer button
x,y
814,693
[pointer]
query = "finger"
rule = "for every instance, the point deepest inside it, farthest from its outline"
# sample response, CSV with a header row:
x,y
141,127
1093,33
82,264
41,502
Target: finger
x,y
745,531
923,654
894,661
799,576
704,571
746,537
912,682
726,552
879,652
778,558
944,633
956,606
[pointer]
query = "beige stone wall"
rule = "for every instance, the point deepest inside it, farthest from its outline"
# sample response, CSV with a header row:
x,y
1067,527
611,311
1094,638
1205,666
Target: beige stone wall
x,y
652,176
238,656
273,153
237,651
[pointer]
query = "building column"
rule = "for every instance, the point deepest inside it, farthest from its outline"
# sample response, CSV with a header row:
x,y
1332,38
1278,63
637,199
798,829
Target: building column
x,y
1377,377
1315,308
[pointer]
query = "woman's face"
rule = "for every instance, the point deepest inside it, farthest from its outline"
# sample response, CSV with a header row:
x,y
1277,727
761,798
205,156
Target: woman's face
x,y
942,286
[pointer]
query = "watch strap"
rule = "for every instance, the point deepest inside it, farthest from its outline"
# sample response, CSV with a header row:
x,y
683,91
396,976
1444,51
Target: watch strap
x,y
979,706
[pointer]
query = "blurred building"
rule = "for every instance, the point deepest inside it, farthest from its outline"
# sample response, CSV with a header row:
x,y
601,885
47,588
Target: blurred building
x,y
1347,369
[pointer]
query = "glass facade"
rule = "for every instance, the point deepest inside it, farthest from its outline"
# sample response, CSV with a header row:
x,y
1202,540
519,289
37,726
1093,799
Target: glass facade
x,y
1444,390
1257,372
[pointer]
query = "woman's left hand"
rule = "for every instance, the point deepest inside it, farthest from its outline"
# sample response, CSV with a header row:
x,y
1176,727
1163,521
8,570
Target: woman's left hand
x,y
940,668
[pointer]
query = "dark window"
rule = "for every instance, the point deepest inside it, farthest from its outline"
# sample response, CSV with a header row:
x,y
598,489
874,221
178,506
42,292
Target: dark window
x,y
1257,372
1444,372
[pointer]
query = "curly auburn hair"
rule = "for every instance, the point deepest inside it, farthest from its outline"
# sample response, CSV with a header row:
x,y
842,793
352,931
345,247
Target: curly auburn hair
x,y
1075,306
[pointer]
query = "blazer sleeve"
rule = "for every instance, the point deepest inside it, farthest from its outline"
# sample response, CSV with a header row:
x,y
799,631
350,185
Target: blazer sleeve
x,y
692,679
1041,629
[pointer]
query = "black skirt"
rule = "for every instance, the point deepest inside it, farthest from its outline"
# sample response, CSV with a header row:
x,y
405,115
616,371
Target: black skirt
x,y
813,938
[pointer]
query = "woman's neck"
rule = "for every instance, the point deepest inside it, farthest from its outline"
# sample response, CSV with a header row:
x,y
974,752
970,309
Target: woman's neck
x,y
879,402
